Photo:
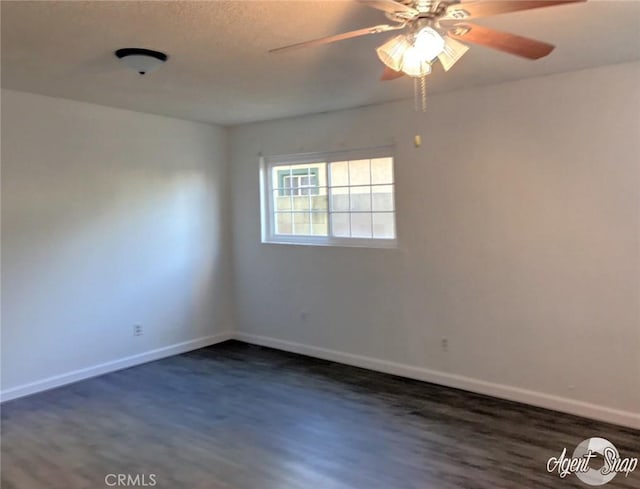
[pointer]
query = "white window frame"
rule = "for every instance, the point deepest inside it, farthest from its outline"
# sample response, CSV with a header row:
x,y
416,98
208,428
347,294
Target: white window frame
x,y
267,163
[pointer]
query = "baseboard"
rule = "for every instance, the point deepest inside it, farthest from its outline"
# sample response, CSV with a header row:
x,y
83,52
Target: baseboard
x,y
103,368
556,403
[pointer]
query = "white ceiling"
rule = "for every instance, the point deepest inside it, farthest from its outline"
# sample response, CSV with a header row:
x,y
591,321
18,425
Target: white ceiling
x,y
219,69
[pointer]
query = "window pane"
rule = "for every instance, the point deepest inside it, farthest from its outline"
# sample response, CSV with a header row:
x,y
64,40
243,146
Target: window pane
x,y
301,223
304,169
361,225
339,171
278,176
283,223
319,221
382,198
360,198
319,200
300,203
290,182
384,226
308,185
340,226
339,199
359,172
382,170
280,201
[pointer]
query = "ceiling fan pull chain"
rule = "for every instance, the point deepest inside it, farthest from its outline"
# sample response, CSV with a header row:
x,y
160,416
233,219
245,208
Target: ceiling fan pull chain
x,y
415,94
423,91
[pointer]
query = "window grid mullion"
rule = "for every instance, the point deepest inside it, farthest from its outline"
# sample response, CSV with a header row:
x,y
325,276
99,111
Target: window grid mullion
x,y
327,176
272,205
356,186
349,200
329,199
293,222
309,200
371,197
363,212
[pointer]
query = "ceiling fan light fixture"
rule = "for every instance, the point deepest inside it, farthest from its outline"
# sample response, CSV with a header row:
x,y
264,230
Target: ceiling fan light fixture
x,y
412,54
429,43
142,60
452,52
392,52
414,63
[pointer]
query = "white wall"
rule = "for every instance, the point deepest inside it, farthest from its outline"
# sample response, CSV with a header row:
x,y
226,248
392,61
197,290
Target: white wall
x,y
110,218
519,222
519,227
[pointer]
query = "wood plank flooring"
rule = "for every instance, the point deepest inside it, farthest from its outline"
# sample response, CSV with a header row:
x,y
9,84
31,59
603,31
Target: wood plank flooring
x,y
237,416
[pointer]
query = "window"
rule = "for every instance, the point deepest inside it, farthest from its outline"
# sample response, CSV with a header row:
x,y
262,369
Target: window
x,y
344,198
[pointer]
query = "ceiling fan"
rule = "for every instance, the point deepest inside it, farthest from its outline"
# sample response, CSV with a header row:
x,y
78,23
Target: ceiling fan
x,y
434,29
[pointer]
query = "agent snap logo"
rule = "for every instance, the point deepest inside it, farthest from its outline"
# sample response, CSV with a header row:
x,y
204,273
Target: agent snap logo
x,y
584,453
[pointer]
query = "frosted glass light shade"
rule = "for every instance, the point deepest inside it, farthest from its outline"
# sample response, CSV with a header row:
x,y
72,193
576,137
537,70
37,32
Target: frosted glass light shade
x,y
392,52
414,63
429,43
452,52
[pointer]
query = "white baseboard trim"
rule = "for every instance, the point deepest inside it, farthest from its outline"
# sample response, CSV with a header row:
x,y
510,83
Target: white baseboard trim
x,y
103,368
548,401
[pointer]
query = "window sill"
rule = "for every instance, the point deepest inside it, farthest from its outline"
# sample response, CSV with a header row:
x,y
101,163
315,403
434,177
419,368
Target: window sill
x,y
367,244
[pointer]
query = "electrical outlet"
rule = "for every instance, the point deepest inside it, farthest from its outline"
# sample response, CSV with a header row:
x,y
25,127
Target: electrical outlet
x,y
444,344
137,330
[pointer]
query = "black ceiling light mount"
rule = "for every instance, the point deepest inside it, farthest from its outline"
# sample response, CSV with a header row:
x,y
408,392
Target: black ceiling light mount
x,y
140,59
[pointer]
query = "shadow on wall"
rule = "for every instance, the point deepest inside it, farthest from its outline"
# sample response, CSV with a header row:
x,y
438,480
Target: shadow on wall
x,y
86,256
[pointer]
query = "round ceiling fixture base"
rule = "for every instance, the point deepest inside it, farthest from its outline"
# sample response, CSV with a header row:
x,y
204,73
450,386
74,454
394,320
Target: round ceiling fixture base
x,y
140,59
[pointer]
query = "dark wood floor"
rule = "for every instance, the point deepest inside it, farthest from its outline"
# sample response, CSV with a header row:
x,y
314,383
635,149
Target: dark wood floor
x,y
236,416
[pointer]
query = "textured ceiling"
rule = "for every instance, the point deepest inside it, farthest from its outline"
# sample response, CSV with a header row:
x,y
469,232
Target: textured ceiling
x,y
219,69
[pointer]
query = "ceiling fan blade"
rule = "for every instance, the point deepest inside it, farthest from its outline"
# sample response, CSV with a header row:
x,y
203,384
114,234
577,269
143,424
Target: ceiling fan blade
x,y
391,7
472,10
502,41
340,37
389,74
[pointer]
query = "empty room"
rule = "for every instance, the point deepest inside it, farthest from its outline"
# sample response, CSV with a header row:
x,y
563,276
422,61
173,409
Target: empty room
x,y
348,244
